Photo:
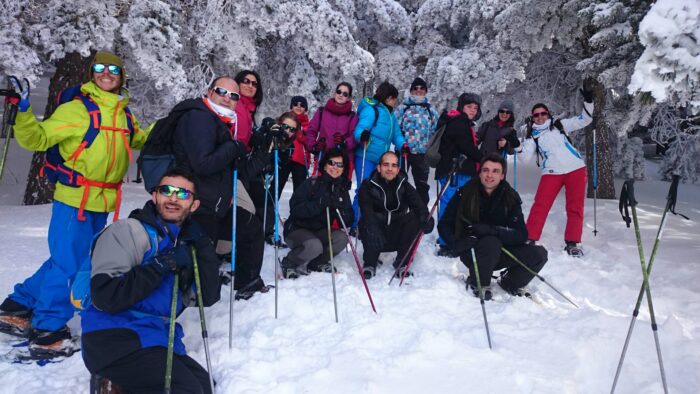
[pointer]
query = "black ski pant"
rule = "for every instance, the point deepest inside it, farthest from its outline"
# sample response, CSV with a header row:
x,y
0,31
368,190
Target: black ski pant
x,y
490,258
399,235
421,171
144,372
250,244
298,172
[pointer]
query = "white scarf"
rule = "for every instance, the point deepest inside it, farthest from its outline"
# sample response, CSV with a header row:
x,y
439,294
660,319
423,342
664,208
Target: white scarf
x,y
223,111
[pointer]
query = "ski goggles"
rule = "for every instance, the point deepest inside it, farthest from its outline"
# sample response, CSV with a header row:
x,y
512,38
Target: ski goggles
x,y
223,93
336,164
112,68
180,192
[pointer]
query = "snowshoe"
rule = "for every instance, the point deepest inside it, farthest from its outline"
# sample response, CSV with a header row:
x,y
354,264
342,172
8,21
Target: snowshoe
x,y
270,240
516,292
488,294
399,272
15,318
573,249
101,385
288,270
369,271
248,291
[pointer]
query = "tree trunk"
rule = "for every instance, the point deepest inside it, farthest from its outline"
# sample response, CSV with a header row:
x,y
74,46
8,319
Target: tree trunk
x,y
604,146
70,71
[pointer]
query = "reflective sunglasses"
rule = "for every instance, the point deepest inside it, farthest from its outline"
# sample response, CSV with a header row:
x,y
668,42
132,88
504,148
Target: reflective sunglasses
x,y
285,126
247,81
419,88
100,68
180,192
504,111
223,93
336,164
538,114
342,93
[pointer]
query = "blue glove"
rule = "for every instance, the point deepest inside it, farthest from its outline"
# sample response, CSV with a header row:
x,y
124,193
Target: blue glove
x,y
177,258
23,90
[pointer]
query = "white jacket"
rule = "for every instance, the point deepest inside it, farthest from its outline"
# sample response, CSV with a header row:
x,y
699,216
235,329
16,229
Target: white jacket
x,y
558,155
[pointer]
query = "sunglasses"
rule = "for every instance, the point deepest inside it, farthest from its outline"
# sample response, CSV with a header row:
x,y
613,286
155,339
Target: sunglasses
x,y
336,164
291,129
100,68
180,192
223,93
342,93
538,114
503,111
298,105
247,81
419,88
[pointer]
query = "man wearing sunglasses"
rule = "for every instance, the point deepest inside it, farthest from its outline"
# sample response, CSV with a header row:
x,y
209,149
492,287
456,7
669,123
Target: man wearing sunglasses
x,y
392,214
561,166
88,188
418,122
133,269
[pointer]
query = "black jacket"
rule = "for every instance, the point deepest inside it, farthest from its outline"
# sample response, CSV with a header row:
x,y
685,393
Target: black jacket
x,y
306,210
203,144
489,133
457,140
381,202
502,209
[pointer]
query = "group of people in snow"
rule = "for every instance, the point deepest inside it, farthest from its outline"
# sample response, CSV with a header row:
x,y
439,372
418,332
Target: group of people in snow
x,y
137,265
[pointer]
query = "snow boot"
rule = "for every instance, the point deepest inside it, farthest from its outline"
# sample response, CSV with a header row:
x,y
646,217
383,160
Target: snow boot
x,y
289,271
249,290
475,290
517,292
101,385
45,344
399,271
369,271
15,318
573,249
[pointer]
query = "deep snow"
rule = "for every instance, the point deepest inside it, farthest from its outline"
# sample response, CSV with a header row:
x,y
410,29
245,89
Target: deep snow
x,y
428,335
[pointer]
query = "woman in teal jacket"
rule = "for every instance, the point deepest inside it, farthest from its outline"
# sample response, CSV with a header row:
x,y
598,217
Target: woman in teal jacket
x,y
376,130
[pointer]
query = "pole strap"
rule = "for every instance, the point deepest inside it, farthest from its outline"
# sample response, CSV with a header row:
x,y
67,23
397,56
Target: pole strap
x,y
627,200
673,196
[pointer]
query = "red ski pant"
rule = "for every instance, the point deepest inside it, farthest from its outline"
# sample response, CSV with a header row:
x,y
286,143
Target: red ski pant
x,y
547,190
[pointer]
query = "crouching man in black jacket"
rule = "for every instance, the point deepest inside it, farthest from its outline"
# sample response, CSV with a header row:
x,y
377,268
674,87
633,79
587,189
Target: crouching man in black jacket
x,y
306,230
392,214
134,266
488,217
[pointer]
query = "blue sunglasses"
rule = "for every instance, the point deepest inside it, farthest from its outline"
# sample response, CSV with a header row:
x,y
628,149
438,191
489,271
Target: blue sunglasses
x,y
100,68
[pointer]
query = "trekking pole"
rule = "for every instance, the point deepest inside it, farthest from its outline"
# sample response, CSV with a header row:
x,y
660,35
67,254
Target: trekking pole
x,y
9,114
481,297
330,252
362,178
515,170
318,160
232,270
171,337
670,204
357,260
595,186
202,317
306,160
419,236
267,192
538,276
277,225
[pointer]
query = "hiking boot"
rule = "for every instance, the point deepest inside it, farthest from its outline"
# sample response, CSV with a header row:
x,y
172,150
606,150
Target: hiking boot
x,y
514,291
445,251
102,385
270,240
289,271
369,271
249,290
15,318
475,290
50,344
573,249
325,267
353,232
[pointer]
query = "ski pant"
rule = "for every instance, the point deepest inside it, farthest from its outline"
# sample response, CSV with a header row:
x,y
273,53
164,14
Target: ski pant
x,y
47,291
144,372
298,172
420,170
250,244
369,167
457,181
312,246
399,235
490,258
547,190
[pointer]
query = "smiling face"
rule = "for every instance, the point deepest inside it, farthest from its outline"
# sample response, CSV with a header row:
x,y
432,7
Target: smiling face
x,y
224,100
298,109
504,115
107,81
491,175
388,166
174,208
332,168
540,115
249,86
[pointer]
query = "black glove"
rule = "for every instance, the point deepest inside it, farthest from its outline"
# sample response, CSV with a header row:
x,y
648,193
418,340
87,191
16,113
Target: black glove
x,y
364,137
428,226
257,140
177,258
481,230
587,94
319,146
462,245
374,237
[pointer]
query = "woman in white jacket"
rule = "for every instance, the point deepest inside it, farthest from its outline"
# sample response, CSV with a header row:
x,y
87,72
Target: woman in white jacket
x,y
562,166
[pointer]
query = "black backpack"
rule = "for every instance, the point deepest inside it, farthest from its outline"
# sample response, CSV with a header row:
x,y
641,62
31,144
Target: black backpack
x,y
157,156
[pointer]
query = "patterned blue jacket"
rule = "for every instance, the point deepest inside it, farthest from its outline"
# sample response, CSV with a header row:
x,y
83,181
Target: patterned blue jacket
x,y
418,122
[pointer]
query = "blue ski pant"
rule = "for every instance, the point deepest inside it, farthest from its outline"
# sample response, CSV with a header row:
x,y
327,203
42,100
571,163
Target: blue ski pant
x,y
47,292
369,167
457,181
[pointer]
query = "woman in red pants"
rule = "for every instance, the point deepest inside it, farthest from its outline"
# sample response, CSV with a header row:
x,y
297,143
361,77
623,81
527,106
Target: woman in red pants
x,y
562,166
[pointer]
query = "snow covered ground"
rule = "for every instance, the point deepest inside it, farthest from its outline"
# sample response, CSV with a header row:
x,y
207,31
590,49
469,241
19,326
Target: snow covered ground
x,y
428,336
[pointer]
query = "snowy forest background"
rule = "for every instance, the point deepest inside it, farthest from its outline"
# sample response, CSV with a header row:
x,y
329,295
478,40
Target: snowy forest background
x,y
641,58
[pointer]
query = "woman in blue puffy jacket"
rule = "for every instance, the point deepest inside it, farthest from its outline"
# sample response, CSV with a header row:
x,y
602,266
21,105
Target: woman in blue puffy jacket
x,y
377,128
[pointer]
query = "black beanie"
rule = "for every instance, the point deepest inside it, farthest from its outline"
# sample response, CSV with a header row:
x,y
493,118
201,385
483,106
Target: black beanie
x,y
297,100
419,82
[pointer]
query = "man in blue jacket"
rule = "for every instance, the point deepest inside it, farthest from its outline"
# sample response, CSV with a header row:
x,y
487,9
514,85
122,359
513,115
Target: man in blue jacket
x,y
134,265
